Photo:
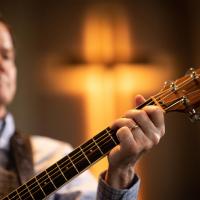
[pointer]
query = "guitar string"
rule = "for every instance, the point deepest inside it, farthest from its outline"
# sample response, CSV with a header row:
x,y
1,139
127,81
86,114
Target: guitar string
x,y
37,187
161,93
84,149
107,141
190,79
74,155
78,152
27,192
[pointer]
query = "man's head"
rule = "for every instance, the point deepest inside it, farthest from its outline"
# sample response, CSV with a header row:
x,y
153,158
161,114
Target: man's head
x,y
7,66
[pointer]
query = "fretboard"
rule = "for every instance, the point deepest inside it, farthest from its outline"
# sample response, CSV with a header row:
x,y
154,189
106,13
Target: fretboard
x,y
63,171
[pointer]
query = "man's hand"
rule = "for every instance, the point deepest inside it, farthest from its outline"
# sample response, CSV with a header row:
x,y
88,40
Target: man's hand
x,y
138,131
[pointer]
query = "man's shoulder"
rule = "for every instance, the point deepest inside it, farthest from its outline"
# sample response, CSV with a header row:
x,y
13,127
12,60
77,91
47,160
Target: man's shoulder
x,y
47,151
43,143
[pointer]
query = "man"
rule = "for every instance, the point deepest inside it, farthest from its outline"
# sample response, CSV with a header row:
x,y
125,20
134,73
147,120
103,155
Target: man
x,y
23,156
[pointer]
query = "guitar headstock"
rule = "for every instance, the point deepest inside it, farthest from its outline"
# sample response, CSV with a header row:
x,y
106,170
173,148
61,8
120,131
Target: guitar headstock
x,y
182,95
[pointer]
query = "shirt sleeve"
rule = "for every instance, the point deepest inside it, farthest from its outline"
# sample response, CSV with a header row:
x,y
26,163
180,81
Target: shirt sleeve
x,y
107,192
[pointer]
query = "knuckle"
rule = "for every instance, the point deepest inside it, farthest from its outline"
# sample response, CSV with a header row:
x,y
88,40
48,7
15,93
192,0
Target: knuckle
x,y
148,145
162,130
119,135
156,138
135,150
141,114
136,115
123,133
130,123
116,123
155,110
122,130
130,113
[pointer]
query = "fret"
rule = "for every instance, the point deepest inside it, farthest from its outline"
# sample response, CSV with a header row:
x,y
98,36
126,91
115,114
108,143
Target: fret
x,y
108,132
56,175
73,164
67,168
107,146
61,172
14,195
34,187
113,133
51,180
104,141
25,193
18,195
79,160
45,183
29,191
98,147
85,155
101,134
92,150
37,190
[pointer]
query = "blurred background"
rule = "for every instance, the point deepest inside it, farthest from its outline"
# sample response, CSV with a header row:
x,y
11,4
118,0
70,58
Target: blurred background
x,y
81,62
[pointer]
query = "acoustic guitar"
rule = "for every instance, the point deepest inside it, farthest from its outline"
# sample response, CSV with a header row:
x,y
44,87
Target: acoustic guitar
x,y
182,95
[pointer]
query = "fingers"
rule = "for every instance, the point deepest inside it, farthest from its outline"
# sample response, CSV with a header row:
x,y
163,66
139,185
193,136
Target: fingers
x,y
136,140
128,122
145,123
126,139
150,121
133,143
139,99
156,115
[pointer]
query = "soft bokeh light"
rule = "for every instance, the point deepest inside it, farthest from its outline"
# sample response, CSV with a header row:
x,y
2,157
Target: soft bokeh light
x,y
107,93
106,35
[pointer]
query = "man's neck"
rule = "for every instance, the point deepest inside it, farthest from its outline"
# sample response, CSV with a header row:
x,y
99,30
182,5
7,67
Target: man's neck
x,y
3,111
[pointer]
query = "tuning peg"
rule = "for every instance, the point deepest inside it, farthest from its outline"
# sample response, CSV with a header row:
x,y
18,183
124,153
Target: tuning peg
x,y
170,84
166,85
189,71
194,115
193,74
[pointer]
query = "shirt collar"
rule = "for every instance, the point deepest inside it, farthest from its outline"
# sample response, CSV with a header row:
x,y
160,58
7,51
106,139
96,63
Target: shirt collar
x,y
7,132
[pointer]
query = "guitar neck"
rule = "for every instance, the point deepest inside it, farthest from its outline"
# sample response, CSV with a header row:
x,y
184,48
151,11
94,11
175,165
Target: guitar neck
x,y
183,95
70,166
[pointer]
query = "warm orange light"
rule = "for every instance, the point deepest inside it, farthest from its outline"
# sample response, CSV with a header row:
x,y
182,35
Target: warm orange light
x,y
106,35
107,93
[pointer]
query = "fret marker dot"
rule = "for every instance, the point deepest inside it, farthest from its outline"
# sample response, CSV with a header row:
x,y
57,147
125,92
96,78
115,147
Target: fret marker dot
x,y
91,150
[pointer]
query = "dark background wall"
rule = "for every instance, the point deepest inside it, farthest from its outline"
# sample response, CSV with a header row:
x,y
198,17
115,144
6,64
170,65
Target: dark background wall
x,y
163,30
